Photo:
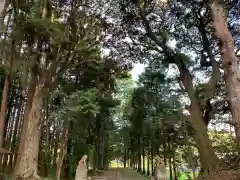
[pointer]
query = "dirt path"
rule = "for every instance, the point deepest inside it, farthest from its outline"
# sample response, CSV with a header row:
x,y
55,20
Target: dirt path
x,y
128,174
120,174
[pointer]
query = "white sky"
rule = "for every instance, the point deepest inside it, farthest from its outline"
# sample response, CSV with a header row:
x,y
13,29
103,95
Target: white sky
x,y
138,69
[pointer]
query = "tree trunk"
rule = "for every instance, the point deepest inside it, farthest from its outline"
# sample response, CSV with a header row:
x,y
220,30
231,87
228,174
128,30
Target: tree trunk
x,y
14,135
139,159
27,160
230,62
3,108
3,10
170,168
152,162
148,164
143,159
207,155
63,151
169,158
125,157
174,166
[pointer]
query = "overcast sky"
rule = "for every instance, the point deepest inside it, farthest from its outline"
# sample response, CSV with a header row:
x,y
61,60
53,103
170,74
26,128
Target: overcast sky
x,y
137,70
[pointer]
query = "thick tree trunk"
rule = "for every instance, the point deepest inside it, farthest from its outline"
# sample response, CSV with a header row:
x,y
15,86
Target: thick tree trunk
x,y
3,10
207,155
230,62
27,160
208,158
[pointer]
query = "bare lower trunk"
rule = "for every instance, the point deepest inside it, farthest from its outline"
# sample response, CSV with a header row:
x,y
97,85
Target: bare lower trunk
x,y
27,160
63,151
3,108
230,62
208,158
148,164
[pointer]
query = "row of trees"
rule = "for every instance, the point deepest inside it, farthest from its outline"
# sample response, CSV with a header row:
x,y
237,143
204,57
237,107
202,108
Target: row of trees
x,y
57,89
190,73
66,89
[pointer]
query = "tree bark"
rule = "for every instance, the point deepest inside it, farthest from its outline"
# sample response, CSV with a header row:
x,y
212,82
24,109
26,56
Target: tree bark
x,y
27,160
170,168
63,151
3,108
125,157
14,135
207,155
139,158
152,162
174,166
143,161
148,163
230,62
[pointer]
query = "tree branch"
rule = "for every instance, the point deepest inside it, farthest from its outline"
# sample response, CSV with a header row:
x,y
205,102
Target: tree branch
x,y
210,86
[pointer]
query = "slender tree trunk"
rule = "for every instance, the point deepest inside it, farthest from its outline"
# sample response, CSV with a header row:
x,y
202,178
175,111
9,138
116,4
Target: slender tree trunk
x,y
8,134
18,130
125,157
47,156
164,150
148,163
106,150
143,159
169,158
230,62
174,166
27,160
170,168
139,159
69,150
9,113
3,108
14,136
62,153
152,162
132,159
55,148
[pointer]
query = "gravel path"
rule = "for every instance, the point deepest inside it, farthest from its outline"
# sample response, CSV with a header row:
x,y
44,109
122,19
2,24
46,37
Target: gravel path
x,y
128,174
120,174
